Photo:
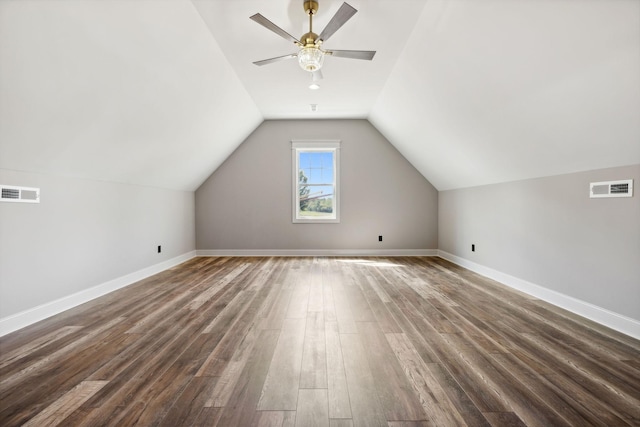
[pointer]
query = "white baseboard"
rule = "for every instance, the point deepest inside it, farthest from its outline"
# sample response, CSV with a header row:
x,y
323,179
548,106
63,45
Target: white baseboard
x,y
317,252
618,322
25,318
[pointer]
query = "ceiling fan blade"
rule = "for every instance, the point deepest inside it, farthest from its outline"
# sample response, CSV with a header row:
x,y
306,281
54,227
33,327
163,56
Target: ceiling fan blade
x,y
316,75
273,27
353,54
276,59
342,15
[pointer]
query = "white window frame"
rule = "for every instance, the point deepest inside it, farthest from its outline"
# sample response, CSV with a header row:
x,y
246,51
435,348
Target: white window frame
x,y
298,147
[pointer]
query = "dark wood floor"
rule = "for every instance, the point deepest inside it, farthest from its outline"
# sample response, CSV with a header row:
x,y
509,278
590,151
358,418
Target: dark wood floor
x,y
318,341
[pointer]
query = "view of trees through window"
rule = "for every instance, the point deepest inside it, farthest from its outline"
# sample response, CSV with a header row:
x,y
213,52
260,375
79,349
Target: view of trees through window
x,y
316,183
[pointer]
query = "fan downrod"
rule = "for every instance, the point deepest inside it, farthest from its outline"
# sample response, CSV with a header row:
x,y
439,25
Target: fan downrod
x,y
309,39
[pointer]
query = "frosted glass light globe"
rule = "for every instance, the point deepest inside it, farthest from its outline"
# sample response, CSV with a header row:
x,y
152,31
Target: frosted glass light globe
x,y
310,58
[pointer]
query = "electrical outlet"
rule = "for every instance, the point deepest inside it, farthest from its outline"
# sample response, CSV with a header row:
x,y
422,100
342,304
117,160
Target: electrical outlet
x,y
159,248
379,238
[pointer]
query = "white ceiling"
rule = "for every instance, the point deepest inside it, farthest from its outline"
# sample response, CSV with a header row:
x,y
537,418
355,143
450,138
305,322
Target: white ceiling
x,y
472,92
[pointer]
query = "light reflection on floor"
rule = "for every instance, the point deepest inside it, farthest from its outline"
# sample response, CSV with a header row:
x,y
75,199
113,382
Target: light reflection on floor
x,y
370,263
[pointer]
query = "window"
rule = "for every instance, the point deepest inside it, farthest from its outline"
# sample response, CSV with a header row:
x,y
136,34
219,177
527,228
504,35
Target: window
x,y
315,181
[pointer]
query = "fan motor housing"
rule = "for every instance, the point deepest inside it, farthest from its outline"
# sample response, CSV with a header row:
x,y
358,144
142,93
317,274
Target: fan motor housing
x,y
308,39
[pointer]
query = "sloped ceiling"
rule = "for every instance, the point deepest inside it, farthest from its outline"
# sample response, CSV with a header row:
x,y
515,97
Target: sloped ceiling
x,y
160,92
494,91
128,91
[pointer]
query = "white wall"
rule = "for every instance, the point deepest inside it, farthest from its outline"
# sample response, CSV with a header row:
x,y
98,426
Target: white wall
x,y
246,203
84,233
548,232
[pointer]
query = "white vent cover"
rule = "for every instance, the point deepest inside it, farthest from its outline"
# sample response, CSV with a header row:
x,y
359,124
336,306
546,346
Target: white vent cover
x,y
11,193
622,188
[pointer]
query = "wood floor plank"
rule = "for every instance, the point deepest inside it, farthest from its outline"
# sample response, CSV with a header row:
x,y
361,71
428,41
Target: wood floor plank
x,y
337,392
299,302
314,353
59,381
208,417
212,290
228,315
241,407
402,319
313,408
344,313
167,387
451,360
366,407
469,412
440,410
316,295
379,305
574,407
268,419
228,379
628,404
236,328
146,378
11,357
55,413
338,341
280,391
189,403
411,424
329,276
159,314
617,375
360,309
21,387
532,408
504,419
533,351
230,356
275,281
399,400
274,419
273,318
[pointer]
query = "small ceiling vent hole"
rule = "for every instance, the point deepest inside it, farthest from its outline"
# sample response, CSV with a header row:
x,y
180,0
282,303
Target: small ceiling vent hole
x,y
622,188
11,193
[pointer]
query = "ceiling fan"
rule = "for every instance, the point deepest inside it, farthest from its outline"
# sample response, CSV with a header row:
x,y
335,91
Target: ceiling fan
x,y
311,54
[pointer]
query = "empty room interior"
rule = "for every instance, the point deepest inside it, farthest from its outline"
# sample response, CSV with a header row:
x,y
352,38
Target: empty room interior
x,y
319,213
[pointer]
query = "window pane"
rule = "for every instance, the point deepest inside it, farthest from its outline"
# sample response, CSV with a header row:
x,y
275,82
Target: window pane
x,y
317,205
316,168
315,183
316,197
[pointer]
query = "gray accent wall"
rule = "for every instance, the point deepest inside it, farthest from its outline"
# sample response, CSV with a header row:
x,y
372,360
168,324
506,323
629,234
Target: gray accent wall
x,y
84,233
548,231
247,202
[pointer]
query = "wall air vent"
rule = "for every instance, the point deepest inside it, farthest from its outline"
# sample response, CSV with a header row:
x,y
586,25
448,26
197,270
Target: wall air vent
x,y
11,193
622,188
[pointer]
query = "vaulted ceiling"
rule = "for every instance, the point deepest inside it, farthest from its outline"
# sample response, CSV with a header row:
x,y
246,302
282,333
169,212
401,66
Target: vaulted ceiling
x,y
471,92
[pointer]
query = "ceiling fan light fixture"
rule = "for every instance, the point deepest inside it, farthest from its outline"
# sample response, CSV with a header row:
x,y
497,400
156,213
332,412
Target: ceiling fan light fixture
x,y
310,58
310,55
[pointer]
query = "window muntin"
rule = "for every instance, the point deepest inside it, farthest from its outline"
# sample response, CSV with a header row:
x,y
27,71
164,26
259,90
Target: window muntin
x,y
315,177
